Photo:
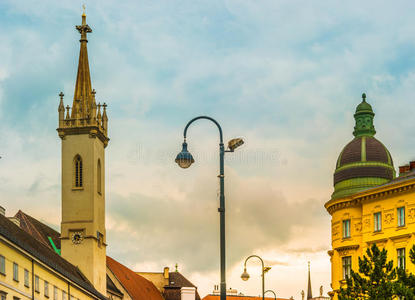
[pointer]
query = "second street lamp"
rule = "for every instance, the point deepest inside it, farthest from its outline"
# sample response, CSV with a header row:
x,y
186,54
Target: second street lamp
x,y
245,275
271,291
184,159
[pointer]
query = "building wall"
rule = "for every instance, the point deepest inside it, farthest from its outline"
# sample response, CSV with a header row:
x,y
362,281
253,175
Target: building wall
x,y
83,208
157,279
35,268
385,200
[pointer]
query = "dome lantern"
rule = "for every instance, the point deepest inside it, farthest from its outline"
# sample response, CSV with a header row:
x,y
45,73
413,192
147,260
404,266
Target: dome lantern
x,y
364,119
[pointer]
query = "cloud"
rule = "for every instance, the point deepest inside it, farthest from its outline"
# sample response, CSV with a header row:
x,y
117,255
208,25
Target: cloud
x,y
285,75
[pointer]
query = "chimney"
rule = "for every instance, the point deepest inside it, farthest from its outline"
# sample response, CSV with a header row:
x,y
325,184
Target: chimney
x,y
166,273
404,169
216,290
188,293
2,211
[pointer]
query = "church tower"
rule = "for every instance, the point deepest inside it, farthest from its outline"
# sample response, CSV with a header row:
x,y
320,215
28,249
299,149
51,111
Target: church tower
x,y
83,130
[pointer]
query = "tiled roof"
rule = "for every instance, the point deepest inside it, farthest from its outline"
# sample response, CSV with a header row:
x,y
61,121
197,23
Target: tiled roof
x,y
137,286
38,230
217,297
39,250
176,282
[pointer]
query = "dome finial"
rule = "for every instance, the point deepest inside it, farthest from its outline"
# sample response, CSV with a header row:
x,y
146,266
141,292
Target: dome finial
x,y
364,97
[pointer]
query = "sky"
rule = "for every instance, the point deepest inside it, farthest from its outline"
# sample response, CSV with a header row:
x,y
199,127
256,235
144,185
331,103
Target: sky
x,y
284,75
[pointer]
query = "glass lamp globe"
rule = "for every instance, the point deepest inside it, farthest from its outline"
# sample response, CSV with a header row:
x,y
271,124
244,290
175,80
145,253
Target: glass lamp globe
x,y
245,275
184,159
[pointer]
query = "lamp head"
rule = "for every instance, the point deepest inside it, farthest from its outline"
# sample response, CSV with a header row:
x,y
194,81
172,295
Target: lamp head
x,y
266,269
235,143
184,159
245,275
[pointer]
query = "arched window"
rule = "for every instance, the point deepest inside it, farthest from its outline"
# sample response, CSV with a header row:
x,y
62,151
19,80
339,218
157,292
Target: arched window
x,y
99,177
78,171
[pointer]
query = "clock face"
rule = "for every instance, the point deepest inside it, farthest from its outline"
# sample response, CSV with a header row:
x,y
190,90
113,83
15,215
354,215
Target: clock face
x,y
77,237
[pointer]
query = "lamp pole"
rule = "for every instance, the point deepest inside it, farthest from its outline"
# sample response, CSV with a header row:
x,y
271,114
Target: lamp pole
x,y
184,159
271,291
245,275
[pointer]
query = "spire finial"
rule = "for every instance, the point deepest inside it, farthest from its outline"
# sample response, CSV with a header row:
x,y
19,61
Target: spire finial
x,y
83,10
177,267
61,94
364,97
83,28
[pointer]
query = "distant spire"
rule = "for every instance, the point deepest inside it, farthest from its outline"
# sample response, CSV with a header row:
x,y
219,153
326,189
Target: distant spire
x,y
83,90
309,292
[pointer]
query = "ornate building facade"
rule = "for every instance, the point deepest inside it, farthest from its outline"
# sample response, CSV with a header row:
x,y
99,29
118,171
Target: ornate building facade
x,y
369,203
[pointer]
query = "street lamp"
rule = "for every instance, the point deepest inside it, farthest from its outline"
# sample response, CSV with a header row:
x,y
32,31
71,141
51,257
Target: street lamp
x,y
245,275
271,291
184,159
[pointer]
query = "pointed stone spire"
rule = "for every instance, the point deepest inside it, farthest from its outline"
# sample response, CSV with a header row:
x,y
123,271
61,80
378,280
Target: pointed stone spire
x,y
84,115
83,90
309,291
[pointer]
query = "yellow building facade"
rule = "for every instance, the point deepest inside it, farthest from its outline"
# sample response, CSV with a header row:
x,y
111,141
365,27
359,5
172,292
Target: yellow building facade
x,y
29,270
369,205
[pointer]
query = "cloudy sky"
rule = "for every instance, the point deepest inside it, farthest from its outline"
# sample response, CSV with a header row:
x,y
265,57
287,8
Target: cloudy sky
x,y
284,75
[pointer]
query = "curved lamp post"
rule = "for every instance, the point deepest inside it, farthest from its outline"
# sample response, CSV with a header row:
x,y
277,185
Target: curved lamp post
x,y
245,275
271,291
184,159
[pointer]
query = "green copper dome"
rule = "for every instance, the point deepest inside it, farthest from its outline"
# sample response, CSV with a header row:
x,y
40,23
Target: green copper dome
x,y
364,162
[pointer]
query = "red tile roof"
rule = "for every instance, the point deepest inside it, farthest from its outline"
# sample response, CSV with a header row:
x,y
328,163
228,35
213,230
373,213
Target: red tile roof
x,y
217,297
137,286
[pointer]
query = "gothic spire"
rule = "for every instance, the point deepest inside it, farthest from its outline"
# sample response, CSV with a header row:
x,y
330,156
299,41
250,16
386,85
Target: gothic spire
x,y
309,292
83,90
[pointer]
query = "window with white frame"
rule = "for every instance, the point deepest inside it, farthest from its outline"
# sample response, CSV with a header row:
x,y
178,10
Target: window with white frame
x,y
55,293
401,258
64,296
15,272
347,266
346,228
37,288
378,221
401,216
2,265
26,278
46,287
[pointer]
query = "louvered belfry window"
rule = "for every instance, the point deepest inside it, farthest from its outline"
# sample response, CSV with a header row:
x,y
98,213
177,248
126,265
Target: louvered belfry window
x,y
78,172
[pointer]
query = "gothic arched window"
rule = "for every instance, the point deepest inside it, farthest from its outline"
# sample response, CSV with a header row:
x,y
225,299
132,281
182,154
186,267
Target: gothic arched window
x,y
78,171
99,176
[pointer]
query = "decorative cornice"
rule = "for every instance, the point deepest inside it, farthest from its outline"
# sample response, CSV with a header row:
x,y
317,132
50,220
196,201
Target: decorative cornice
x,y
378,241
346,248
375,193
93,131
407,235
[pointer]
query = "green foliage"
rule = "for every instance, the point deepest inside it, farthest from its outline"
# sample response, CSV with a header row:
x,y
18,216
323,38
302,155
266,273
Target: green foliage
x,y
374,281
405,285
